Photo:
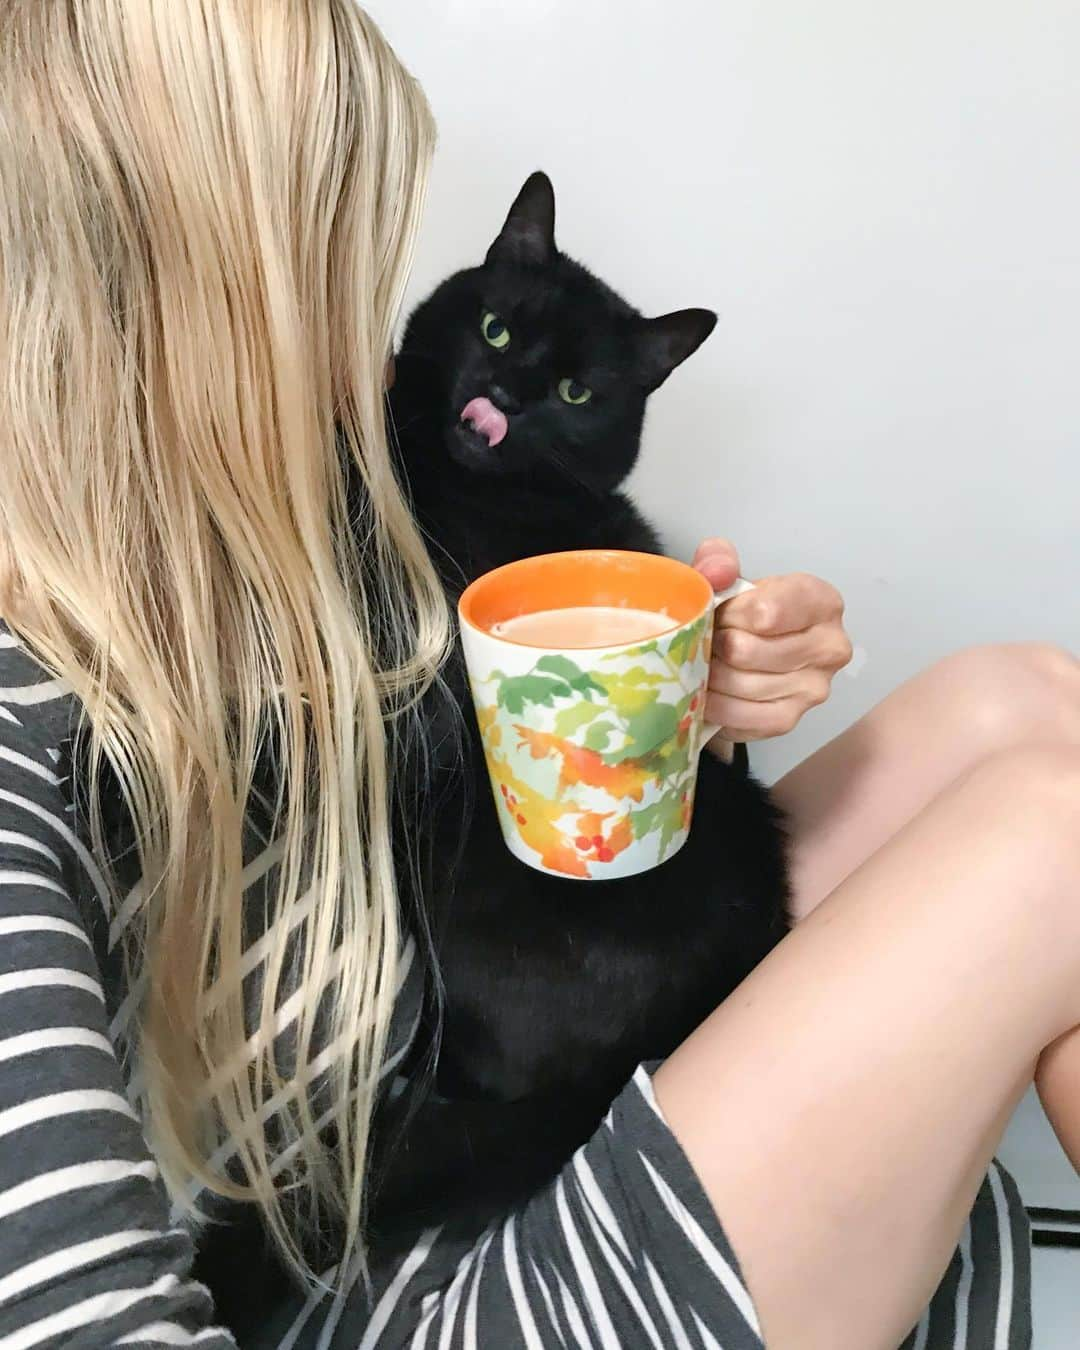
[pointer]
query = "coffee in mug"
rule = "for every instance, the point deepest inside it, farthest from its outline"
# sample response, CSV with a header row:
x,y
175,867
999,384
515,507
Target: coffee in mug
x,y
584,626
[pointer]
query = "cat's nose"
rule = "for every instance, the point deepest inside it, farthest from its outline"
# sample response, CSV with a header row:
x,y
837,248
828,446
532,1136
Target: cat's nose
x,y
504,399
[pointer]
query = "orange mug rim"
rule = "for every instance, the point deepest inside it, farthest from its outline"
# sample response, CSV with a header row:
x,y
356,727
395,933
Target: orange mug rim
x,y
652,562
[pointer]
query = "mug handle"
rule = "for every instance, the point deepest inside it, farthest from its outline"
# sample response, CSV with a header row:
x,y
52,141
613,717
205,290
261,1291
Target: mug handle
x,y
738,587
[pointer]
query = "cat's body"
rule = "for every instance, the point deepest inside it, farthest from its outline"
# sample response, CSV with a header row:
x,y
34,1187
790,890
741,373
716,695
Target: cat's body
x,y
554,989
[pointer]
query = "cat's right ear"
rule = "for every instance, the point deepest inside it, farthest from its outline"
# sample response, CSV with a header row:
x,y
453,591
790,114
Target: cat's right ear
x,y
527,239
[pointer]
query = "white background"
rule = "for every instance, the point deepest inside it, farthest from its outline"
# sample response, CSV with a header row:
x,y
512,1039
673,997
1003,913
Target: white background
x,y
883,204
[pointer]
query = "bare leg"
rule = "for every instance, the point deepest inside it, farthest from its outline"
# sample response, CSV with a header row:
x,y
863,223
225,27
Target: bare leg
x,y
856,1084
851,796
1057,1077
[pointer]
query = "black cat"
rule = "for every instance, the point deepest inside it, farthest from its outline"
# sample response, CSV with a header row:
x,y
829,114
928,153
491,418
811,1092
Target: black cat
x,y
518,406
519,399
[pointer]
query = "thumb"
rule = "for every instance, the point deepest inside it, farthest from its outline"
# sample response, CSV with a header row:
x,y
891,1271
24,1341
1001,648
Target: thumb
x,y
717,561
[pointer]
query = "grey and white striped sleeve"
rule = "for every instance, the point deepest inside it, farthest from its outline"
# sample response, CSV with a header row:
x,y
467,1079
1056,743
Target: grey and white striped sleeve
x,y
87,1255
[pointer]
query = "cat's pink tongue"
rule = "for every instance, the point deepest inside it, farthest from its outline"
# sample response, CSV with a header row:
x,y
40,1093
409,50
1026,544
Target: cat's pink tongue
x,y
486,419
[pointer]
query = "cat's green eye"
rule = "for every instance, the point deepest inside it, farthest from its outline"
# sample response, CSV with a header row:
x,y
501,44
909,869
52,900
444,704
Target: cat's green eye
x,y
572,392
496,334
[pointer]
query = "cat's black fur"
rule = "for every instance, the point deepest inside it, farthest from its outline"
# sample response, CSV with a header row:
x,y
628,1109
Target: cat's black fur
x,y
554,989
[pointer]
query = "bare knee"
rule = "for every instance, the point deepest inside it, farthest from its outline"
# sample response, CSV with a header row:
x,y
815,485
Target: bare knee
x,y
1018,824
1036,787
1014,694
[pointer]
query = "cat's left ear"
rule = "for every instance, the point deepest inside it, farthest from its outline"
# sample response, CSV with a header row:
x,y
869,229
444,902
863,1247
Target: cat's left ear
x,y
527,239
666,342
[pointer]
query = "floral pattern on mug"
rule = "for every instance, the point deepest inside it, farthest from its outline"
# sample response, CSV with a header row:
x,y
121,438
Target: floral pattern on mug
x,y
591,752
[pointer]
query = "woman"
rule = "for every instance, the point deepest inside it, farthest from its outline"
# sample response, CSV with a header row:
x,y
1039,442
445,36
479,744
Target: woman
x,y
206,215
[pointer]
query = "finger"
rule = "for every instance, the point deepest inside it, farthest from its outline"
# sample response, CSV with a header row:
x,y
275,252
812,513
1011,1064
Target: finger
x,y
718,561
825,647
785,604
722,748
740,720
810,685
714,547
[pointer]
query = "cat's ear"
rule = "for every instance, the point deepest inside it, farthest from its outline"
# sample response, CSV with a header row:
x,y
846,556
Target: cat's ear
x,y
666,342
528,237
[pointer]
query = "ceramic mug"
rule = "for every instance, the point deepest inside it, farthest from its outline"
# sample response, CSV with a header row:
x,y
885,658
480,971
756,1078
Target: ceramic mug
x,y
592,751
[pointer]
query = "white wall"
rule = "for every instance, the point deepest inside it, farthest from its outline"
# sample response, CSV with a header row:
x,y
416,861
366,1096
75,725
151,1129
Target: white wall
x,y
883,203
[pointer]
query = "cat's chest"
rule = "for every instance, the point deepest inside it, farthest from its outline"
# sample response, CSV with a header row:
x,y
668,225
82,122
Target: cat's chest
x,y
471,537
479,543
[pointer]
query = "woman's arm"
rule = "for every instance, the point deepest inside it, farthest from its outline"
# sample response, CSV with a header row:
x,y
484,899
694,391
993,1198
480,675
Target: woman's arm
x,y
87,1255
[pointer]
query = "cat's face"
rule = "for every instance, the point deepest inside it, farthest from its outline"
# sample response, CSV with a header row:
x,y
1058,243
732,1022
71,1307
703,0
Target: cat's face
x,y
536,364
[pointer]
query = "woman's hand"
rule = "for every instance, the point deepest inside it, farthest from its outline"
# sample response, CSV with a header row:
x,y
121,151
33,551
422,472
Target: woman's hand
x,y
775,648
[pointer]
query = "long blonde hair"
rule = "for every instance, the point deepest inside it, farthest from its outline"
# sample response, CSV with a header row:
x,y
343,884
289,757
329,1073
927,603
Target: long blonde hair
x,y
207,212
